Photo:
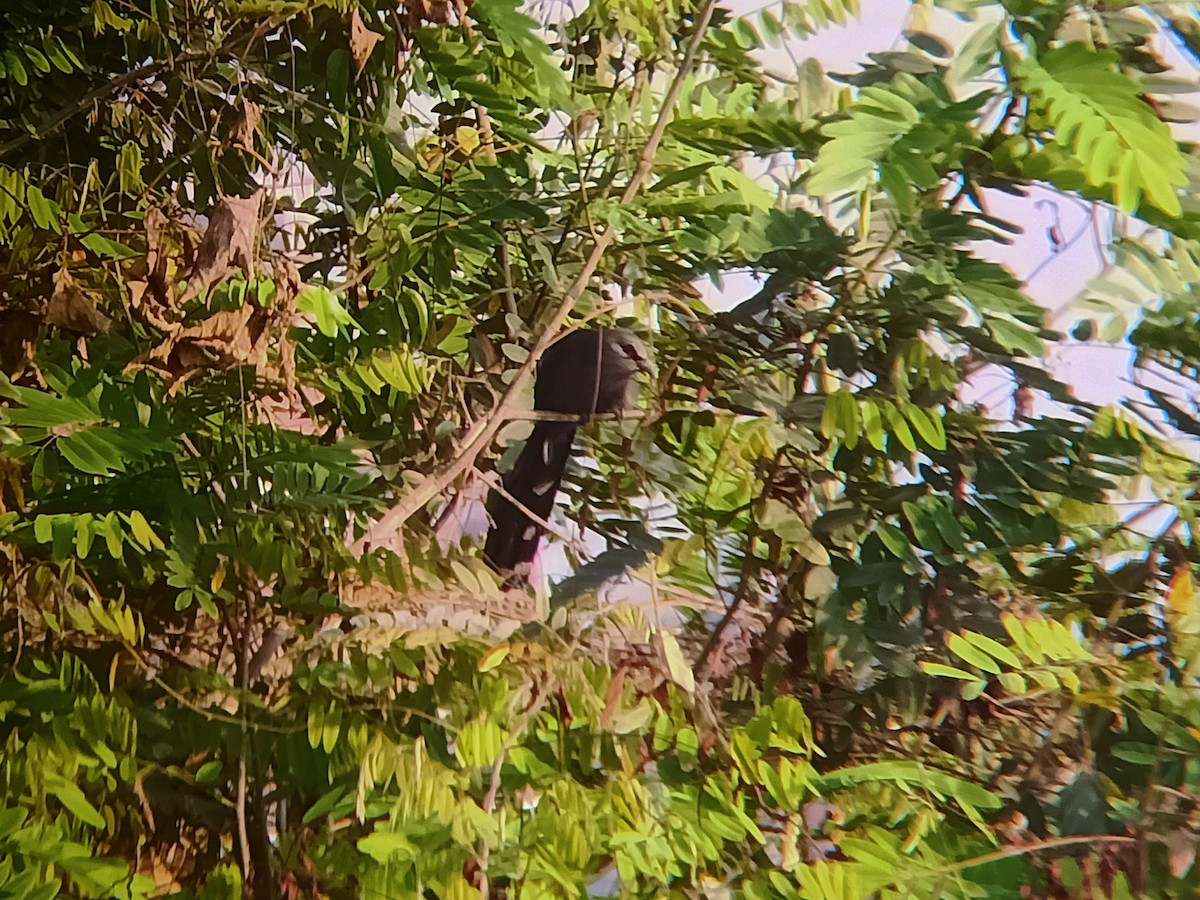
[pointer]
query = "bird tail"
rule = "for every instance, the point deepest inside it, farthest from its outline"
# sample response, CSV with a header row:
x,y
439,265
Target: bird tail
x,y
533,482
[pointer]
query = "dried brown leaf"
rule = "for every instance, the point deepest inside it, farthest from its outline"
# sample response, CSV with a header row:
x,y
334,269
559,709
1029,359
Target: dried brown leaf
x,y
155,223
528,796
233,337
230,242
227,338
156,261
247,125
612,699
72,310
287,289
137,290
287,285
150,287
362,41
420,12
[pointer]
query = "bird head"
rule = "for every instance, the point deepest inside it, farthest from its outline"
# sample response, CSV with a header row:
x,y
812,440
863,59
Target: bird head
x,y
628,351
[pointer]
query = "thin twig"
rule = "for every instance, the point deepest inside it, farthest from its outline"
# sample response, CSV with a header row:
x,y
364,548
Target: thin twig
x,y
1070,840
243,832
489,807
542,415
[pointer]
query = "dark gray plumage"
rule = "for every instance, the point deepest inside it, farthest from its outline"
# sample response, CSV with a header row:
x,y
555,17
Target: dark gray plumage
x,y
584,373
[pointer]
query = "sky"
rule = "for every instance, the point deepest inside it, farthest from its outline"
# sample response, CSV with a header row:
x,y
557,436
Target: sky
x,y
1063,243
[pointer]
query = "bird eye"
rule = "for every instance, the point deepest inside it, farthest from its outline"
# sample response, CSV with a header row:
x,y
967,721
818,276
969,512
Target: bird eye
x,y
631,351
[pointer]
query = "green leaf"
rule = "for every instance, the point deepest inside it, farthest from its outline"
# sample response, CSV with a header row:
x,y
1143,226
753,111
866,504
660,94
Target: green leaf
x,y
478,743
947,525
904,773
55,53
895,541
678,667
994,648
84,534
519,38
11,819
1013,683
316,725
73,800
327,307
966,651
15,68
493,657
45,213
102,246
331,727
331,800
35,56
899,427
142,532
87,454
840,417
337,78
43,529
928,425
1019,633
1013,337
872,423
383,846
129,168
1098,115
973,691
944,671
923,526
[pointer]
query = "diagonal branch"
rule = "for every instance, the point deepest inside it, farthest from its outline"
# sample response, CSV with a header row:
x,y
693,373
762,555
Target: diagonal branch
x,y
479,436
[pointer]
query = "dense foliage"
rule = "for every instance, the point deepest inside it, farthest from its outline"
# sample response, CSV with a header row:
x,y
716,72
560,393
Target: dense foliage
x,y
274,280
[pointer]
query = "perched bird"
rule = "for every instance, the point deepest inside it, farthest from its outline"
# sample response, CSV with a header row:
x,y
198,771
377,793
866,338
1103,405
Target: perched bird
x,y
585,373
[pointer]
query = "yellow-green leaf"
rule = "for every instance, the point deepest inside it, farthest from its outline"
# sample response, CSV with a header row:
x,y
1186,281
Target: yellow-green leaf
x,y
678,667
966,651
493,657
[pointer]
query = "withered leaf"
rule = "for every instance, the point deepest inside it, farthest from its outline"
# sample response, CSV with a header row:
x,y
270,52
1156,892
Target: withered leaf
x,y
247,124
232,334
224,339
229,242
72,310
155,223
362,41
287,289
287,285
137,290
148,281
435,12
528,796
139,299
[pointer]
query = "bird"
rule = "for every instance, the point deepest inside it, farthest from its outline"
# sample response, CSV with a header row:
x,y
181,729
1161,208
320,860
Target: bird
x,y
585,373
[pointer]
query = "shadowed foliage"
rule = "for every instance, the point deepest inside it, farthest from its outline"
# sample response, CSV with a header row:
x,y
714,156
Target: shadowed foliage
x,y
870,604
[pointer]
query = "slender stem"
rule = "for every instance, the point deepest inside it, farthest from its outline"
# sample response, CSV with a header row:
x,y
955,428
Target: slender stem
x,y
243,832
